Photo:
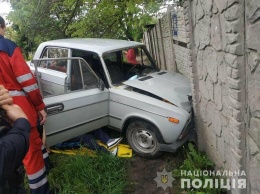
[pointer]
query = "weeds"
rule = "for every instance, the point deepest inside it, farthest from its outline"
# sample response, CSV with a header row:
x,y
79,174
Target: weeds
x,y
197,162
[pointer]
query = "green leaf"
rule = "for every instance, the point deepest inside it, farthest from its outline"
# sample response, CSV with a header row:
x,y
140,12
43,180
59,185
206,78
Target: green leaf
x,y
48,19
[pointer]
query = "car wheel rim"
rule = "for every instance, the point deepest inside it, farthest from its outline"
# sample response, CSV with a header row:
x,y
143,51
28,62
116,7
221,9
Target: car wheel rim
x,y
144,141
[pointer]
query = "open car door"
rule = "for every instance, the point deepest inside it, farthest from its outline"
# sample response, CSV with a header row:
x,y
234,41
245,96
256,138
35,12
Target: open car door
x,y
75,98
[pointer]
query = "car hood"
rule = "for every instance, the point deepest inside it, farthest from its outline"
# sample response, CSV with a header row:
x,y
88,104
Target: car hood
x,y
170,86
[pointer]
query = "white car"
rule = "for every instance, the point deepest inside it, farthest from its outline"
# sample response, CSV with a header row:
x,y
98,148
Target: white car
x,y
91,83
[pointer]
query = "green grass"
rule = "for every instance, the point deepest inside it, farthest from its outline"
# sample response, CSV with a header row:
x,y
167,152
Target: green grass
x,y
85,174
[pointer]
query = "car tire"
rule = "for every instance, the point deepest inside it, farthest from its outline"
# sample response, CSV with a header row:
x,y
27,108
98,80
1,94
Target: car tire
x,y
142,138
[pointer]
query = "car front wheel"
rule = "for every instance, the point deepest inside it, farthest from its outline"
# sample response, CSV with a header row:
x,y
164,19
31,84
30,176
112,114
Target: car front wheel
x,y
142,138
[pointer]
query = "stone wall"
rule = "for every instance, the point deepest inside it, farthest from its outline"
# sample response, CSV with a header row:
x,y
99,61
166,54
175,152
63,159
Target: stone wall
x,y
252,26
226,78
224,68
218,35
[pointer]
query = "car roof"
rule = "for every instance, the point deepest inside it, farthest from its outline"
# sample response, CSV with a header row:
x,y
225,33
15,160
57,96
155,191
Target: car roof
x,y
97,45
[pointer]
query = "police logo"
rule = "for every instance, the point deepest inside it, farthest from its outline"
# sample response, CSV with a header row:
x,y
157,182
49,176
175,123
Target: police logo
x,y
164,179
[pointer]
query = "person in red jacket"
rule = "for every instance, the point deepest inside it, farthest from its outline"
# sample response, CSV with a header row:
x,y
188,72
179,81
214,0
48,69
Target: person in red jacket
x,y
131,56
14,144
16,76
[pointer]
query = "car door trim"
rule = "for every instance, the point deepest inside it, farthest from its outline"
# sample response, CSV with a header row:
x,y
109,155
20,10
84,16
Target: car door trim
x,y
71,127
74,108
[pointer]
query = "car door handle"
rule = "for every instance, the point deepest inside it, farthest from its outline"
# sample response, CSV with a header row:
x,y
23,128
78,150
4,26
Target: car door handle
x,y
54,108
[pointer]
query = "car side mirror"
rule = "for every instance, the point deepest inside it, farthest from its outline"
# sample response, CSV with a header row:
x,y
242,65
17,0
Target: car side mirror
x,y
101,85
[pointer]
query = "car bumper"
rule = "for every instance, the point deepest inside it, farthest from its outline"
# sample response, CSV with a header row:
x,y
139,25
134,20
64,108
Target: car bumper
x,y
190,135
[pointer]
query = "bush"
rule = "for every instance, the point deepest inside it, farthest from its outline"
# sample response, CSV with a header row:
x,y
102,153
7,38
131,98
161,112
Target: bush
x,y
197,162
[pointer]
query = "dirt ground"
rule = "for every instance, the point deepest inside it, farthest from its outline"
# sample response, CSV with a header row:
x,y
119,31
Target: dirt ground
x,y
142,173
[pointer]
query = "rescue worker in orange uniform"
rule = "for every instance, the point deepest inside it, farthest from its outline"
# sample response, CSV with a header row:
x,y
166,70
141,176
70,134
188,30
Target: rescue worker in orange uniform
x,y
16,76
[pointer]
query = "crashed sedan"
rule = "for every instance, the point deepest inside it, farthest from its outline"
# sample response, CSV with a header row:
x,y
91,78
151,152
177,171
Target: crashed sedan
x,y
91,83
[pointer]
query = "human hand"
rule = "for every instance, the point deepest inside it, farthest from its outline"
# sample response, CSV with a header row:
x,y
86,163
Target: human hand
x,y
14,112
5,97
42,115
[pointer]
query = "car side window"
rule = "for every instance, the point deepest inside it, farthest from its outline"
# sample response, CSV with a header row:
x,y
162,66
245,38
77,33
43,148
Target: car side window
x,y
79,76
82,76
114,61
55,52
93,61
76,76
57,65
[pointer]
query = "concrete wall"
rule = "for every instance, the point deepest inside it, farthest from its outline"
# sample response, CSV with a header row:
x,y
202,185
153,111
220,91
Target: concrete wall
x,y
158,39
223,54
219,78
252,26
181,40
226,76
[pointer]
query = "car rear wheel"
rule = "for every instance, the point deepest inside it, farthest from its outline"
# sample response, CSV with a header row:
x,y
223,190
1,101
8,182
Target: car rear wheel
x,y
142,138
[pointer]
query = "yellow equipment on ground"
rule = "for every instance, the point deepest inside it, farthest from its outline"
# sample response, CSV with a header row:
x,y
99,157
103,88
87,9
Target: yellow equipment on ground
x,y
124,151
